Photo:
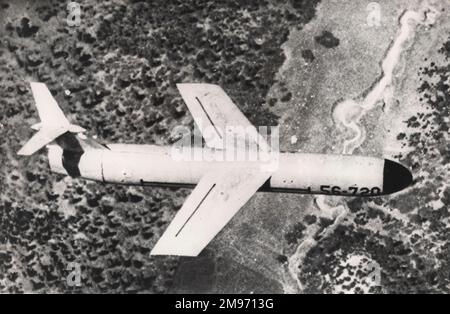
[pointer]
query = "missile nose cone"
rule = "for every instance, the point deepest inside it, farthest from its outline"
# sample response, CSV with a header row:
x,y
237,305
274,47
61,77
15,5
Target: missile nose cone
x,y
395,177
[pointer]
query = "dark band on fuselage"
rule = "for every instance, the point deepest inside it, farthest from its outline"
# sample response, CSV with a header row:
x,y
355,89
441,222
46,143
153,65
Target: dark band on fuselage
x,y
72,152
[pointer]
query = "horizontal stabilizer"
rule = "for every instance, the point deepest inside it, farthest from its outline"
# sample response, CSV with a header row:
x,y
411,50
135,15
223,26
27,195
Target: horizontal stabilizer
x,y
43,137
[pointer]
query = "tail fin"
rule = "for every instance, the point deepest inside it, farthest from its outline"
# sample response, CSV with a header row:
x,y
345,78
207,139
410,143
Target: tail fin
x,y
53,122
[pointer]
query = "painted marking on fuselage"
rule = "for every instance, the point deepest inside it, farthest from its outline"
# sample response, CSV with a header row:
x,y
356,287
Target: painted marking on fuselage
x,y
167,184
71,161
307,190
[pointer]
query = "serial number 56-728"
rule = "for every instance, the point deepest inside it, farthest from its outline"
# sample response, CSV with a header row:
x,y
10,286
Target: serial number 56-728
x,y
353,190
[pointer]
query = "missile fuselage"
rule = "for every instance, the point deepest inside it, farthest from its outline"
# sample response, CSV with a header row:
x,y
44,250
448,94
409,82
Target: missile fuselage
x,y
151,165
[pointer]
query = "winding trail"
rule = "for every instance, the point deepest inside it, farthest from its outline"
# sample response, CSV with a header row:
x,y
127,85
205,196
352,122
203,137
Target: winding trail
x,y
348,114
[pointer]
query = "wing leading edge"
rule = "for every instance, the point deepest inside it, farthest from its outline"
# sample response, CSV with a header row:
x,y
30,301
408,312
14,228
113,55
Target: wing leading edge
x,y
44,136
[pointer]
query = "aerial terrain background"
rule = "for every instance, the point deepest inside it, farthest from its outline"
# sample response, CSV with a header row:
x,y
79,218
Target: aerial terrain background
x,y
343,76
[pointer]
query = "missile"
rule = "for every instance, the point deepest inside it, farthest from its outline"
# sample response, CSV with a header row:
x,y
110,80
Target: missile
x,y
151,165
224,174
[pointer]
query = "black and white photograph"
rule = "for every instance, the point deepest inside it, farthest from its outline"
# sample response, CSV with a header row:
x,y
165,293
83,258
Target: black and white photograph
x,y
225,153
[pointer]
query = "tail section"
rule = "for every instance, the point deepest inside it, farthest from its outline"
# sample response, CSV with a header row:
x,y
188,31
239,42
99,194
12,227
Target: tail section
x,y
53,121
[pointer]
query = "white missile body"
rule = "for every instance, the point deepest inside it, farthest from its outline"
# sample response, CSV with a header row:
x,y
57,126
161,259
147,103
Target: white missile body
x,y
221,185
149,165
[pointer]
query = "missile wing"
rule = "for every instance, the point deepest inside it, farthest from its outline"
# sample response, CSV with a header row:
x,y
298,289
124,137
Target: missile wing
x,y
214,111
215,200
222,192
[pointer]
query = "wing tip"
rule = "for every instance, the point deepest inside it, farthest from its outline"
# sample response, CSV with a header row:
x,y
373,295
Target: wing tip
x,y
158,250
37,84
196,85
167,253
23,152
27,151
